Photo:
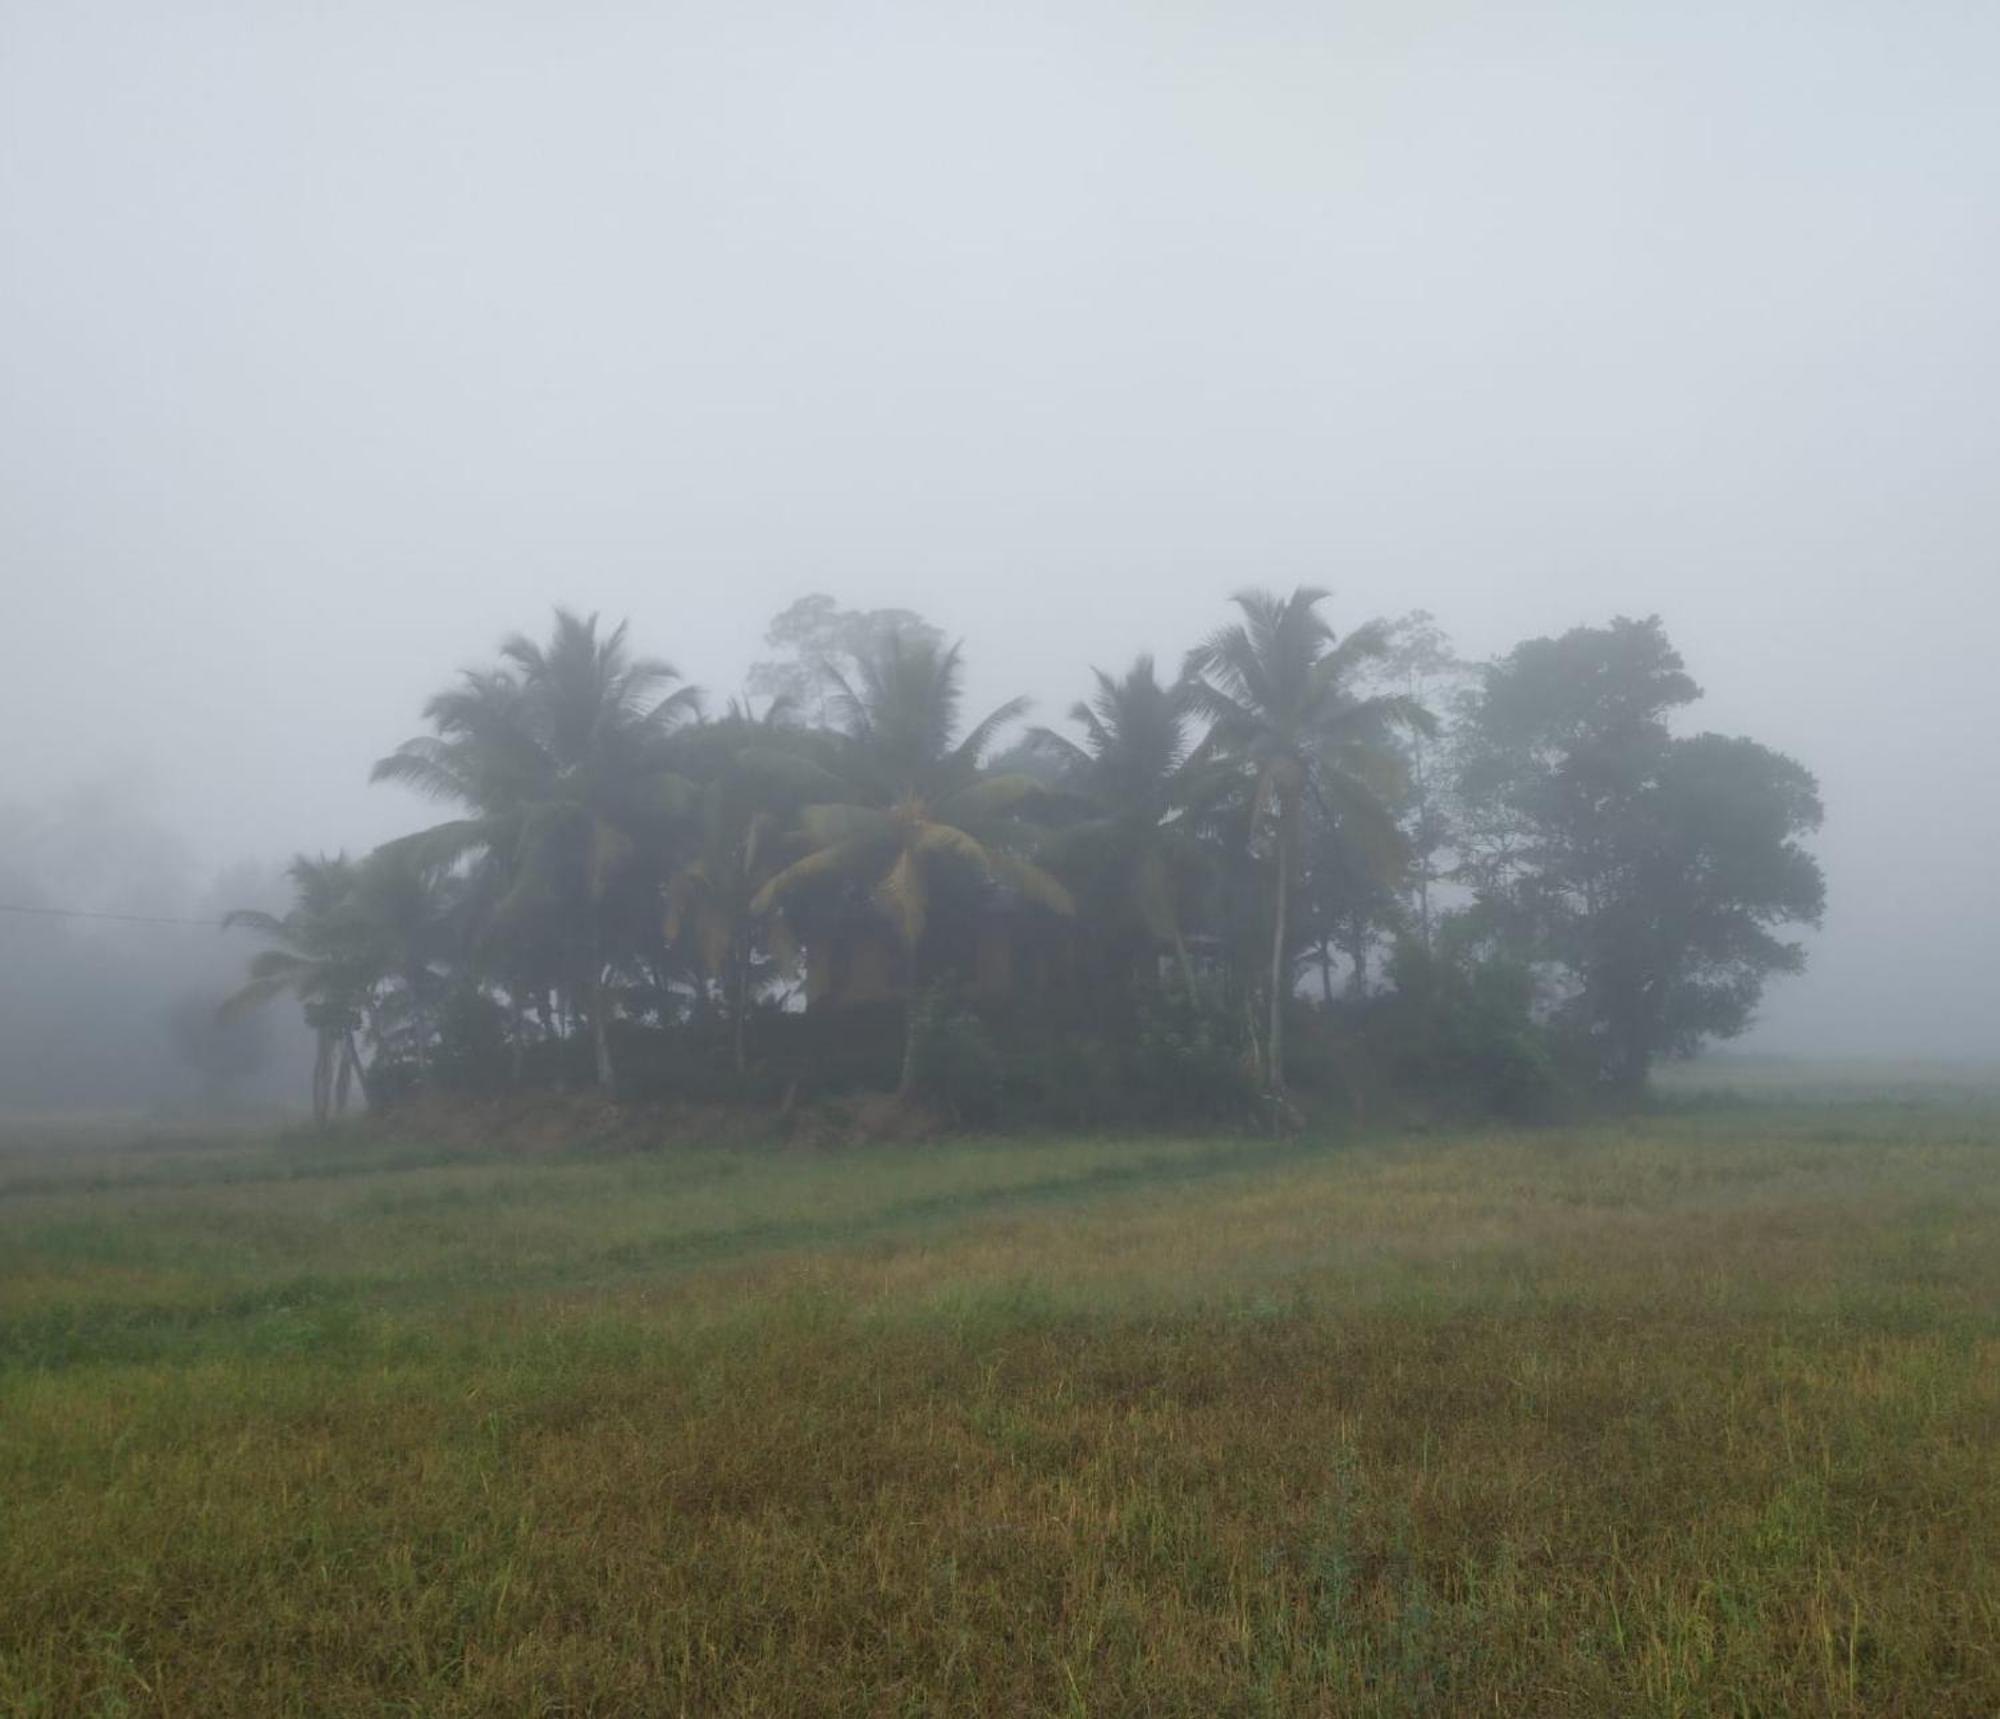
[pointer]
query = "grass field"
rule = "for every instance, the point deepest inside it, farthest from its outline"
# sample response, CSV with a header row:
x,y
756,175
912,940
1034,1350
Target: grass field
x,y
1699,1414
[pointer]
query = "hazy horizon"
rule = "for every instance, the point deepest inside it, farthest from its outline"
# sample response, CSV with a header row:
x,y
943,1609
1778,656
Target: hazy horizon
x,y
335,346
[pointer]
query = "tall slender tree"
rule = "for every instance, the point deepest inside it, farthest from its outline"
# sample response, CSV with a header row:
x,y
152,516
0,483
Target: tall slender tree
x,y
406,905
916,801
1421,663
1277,687
560,758
323,953
1133,853
752,775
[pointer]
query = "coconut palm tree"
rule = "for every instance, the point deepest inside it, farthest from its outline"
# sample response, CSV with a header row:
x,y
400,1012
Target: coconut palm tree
x,y
324,955
752,774
1132,772
407,905
915,802
560,757
1276,687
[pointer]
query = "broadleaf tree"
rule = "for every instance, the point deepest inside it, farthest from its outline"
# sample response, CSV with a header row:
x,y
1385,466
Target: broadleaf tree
x,y
1651,875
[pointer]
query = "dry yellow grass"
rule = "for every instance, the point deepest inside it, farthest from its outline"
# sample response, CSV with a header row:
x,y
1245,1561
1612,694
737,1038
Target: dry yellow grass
x,y
1695,1415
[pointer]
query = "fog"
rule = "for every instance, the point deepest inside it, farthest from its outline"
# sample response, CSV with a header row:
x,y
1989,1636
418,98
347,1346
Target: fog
x,y
335,343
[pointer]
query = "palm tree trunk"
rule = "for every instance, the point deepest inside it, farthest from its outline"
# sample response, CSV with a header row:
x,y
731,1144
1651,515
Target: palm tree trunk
x,y
1187,967
907,1086
419,1030
1280,965
322,1076
600,1028
353,1064
1357,952
1423,826
600,1038
742,998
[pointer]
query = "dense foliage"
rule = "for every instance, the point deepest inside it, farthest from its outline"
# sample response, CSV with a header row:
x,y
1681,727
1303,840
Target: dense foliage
x,y
1309,868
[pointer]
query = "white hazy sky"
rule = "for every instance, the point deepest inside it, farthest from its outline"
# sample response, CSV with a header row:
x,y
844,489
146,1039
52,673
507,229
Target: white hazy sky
x,y
338,340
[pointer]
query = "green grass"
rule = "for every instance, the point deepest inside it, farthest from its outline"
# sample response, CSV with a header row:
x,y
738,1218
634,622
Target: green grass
x,y
1698,1414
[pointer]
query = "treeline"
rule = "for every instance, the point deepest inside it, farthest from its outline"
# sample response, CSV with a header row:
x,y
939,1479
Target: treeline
x,y
1306,868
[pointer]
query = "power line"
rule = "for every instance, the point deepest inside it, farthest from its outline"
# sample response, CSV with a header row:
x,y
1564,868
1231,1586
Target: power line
x,y
123,918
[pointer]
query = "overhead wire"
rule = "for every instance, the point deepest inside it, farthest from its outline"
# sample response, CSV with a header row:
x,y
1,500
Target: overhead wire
x,y
123,918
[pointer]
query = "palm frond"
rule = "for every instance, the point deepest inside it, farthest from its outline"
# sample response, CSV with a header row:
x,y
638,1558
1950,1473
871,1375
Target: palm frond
x,y
990,797
445,844
254,995
1065,751
904,894
979,737
849,706
783,770
1030,881
942,841
1343,659
829,824
610,848
432,767
681,706
1389,710
840,859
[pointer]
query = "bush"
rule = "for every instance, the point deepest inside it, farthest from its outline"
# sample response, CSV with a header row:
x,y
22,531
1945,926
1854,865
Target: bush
x,y
829,1053
1062,1080
958,1066
471,1053
1188,1061
1459,1031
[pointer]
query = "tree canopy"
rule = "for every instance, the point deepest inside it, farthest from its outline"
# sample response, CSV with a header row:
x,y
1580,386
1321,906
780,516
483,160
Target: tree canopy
x,y
1650,872
1523,873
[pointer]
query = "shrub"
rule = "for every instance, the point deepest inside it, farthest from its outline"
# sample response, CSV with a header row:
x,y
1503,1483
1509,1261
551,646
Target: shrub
x,y
1459,1031
471,1053
1188,1060
958,1066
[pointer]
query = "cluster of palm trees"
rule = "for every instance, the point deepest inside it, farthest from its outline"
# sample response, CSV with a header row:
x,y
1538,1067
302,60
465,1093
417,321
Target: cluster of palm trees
x,y
615,859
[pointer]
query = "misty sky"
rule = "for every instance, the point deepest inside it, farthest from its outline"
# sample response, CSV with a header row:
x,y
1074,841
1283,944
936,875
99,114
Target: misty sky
x,y
336,341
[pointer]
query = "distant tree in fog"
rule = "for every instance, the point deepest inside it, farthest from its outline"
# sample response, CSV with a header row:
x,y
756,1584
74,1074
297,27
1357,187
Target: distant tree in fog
x,y
626,876
1651,873
1280,692
1132,857
916,803
560,758
752,775
1418,660
818,644
321,954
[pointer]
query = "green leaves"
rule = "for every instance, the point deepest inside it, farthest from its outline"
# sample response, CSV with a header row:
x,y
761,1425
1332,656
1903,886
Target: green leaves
x,y
1649,869
1277,687
615,853
915,797
562,757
